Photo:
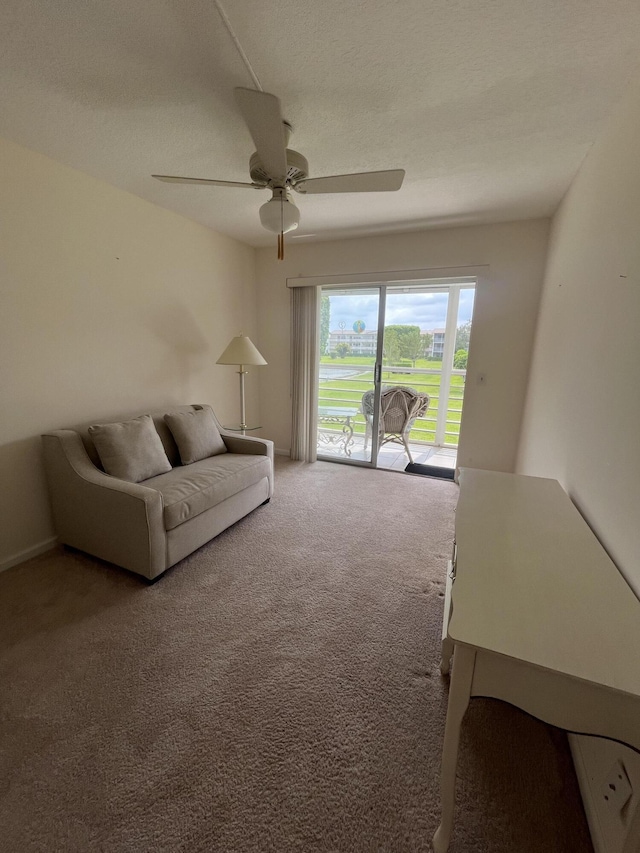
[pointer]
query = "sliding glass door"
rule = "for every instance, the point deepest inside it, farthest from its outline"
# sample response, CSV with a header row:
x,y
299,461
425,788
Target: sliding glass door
x,y
348,370
412,336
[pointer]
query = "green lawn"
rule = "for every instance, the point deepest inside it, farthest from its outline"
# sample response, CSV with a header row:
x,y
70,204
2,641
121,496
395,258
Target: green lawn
x,y
347,392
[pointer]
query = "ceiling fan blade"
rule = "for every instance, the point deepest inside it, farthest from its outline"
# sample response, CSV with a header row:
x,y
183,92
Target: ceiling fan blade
x,y
359,182
174,179
263,116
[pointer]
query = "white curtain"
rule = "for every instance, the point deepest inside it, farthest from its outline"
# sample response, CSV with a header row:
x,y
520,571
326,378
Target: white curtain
x,y
304,372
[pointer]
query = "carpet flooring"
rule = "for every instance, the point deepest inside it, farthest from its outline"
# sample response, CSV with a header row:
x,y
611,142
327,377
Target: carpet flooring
x,y
276,691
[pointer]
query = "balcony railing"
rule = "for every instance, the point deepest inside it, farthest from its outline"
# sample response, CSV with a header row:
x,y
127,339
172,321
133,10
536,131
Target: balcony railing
x,y
346,392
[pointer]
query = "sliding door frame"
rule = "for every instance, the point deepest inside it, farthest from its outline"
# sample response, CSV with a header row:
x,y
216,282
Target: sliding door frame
x,y
377,376
377,373
454,279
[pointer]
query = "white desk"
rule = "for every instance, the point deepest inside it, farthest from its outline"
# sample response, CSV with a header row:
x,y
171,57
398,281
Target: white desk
x,y
536,614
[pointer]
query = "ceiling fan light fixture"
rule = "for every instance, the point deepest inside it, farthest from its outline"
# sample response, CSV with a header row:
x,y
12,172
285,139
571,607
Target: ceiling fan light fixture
x,y
279,215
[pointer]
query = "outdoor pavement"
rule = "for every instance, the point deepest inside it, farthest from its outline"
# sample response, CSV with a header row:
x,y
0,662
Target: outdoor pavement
x,y
393,456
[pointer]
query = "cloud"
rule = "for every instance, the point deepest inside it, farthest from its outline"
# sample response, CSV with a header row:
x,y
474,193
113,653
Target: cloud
x,y
427,310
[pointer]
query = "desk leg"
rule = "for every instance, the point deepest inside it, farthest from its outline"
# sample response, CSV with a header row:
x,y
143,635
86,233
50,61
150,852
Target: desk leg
x,y
447,652
447,644
459,694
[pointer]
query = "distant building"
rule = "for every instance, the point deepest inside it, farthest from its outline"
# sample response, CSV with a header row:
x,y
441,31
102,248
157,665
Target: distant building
x,y
361,343
436,350
365,343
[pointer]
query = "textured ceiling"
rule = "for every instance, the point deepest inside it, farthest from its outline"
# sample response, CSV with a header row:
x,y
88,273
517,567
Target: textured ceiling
x,y
489,105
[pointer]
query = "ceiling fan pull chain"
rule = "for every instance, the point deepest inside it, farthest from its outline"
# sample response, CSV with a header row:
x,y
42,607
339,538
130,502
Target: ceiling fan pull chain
x,y
281,234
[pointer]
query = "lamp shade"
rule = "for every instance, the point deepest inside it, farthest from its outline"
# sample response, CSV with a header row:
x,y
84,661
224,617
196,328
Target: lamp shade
x,y
241,350
279,215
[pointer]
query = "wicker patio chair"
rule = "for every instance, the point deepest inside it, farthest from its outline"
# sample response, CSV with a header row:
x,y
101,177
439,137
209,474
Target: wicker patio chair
x,y
400,406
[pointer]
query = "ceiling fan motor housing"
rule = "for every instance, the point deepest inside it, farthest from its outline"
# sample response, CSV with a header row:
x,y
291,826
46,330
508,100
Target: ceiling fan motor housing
x,y
297,169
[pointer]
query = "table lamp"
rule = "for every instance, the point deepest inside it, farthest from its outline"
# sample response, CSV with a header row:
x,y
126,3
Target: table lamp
x,y
241,351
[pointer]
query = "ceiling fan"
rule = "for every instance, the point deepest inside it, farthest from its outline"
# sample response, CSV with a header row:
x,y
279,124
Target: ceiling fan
x,y
275,167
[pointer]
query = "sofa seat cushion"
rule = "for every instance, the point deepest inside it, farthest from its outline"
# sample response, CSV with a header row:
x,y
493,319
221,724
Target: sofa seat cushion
x,y
187,491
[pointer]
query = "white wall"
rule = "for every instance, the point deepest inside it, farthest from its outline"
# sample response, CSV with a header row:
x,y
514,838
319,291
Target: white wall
x,y
108,305
504,320
582,415
582,422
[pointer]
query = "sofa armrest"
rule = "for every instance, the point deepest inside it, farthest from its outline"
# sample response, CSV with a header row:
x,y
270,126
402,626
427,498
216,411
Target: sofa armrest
x,y
257,446
247,444
112,519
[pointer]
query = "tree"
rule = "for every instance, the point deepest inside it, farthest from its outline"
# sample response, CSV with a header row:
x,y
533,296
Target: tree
x,y
343,349
411,345
463,334
403,342
325,323
391,348
460,359
427,340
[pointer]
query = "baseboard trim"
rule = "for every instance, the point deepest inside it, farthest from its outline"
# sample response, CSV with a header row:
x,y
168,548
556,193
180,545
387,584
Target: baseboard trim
x,y
280,452
28,554
587,796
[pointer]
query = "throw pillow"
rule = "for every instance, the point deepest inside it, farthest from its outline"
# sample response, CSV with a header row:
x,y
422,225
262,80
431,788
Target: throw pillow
x,y
131,450
196,434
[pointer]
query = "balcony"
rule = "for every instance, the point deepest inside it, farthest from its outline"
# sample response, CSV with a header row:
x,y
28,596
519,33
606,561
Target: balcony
x,y
341,424
391,456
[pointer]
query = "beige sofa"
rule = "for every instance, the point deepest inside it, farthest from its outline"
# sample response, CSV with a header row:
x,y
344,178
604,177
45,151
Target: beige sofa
x,y
148,526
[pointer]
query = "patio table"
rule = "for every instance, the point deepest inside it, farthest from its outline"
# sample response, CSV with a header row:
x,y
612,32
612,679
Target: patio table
x,y
342,416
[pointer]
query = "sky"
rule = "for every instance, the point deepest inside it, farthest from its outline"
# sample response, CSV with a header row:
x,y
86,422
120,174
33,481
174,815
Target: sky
x,y
427,310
